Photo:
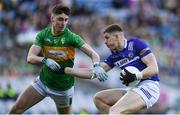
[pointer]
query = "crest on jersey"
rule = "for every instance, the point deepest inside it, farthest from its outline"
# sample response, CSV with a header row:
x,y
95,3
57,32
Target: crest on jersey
x,y
63,40
131,54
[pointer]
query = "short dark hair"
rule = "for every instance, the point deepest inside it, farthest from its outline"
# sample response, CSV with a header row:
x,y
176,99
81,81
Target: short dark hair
x,y
59,9
113,28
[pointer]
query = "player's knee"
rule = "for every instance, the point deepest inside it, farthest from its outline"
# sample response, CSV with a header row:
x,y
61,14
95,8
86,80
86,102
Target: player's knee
x,y
96,99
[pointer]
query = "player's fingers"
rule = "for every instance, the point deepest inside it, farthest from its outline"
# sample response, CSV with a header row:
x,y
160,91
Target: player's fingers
x,y
121,78
123,83
55,68
126,71
121,74
99,78
105,76
102,79
52,67
57,65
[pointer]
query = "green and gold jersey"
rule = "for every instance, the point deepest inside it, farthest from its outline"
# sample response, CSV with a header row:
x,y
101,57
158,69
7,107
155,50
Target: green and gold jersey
x,y
60,48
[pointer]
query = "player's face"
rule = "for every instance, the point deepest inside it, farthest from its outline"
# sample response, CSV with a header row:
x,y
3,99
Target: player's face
x,y
59,22
113,40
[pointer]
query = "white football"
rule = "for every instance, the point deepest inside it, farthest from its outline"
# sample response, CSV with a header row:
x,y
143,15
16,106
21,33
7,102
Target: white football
x,y
132,69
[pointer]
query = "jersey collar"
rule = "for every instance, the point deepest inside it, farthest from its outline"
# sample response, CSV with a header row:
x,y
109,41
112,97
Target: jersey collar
x,y
125,43
52,32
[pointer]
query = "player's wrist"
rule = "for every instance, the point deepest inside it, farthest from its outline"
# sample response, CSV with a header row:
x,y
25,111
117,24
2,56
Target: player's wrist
x,y
95,64
44,60
139,76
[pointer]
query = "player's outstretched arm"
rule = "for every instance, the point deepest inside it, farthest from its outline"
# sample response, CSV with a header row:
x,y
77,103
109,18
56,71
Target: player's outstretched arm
x,y
83,73
86,73
91,53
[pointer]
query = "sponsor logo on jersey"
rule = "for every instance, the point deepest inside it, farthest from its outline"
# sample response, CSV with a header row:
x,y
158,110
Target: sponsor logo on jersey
x,y
57,53
121,62
130,54
126,61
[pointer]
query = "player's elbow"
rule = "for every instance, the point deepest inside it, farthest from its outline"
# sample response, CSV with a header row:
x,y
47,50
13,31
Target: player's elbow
x,y
29,59
155,70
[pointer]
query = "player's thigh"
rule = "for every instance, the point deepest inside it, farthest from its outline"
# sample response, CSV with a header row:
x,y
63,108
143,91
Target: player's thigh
x,y
110,96
130,102
29,97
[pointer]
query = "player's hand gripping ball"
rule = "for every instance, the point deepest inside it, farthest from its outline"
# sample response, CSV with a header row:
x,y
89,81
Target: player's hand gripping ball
x,y
129,76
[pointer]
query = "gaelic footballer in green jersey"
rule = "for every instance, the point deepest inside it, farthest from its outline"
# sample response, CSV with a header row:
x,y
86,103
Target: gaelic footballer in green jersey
x,y
60,48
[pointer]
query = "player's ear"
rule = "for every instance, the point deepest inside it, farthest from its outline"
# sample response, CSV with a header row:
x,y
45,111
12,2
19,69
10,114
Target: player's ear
x,y
52,18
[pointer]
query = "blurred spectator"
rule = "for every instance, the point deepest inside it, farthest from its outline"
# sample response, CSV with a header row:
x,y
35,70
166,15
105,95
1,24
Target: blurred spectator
x,y
10,92
83,111
2,93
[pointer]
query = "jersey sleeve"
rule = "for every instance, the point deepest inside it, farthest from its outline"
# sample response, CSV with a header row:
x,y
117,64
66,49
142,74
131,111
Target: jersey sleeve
x,y
39,39
109,62
77,41
142,48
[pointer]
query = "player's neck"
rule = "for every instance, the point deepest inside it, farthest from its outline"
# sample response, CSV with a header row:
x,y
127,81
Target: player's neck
x,y
55,32
119,48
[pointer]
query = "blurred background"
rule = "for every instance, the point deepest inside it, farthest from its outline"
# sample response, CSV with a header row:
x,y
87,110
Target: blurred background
x,y
157,21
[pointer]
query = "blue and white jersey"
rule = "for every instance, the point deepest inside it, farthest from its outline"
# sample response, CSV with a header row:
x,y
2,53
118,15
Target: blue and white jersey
x,y
131,56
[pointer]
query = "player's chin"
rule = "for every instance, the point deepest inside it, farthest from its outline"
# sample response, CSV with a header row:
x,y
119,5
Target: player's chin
x,y
61,29
108,46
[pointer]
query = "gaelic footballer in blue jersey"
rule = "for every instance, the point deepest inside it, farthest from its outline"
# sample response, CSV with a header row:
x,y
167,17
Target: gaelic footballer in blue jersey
x,y
129,52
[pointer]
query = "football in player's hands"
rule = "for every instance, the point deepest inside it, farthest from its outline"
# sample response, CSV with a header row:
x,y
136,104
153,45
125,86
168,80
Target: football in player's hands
x,y
128,76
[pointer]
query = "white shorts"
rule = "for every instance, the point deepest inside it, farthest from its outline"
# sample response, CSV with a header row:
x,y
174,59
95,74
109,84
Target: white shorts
x,y
61,98
149,91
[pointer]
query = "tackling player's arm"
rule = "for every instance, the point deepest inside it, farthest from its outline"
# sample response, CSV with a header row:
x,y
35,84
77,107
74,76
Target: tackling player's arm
x,y
84,73
98,71
152,67
90,52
